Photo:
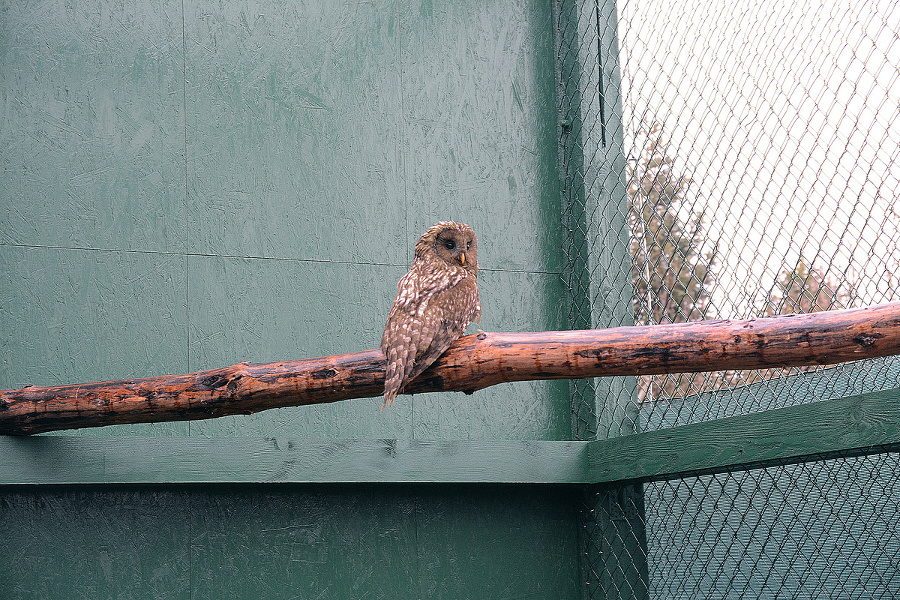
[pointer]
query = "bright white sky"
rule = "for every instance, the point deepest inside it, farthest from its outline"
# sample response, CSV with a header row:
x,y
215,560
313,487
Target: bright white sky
x,y
787,117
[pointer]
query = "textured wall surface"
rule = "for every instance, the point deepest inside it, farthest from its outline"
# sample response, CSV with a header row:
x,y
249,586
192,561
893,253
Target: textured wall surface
x,y
186,185
288,542
191,185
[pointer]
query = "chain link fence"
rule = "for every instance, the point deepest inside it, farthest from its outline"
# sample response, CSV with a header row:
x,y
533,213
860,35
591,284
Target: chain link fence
x,y
732,160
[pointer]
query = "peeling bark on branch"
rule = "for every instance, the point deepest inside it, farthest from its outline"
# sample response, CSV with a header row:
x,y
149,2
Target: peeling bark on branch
x,y
474,362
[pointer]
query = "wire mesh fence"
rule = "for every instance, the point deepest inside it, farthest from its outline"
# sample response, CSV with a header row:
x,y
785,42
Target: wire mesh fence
x,y
815,530
732,159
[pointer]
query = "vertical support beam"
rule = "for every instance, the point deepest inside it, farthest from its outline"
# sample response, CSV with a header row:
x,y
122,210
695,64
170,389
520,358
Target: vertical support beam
x,y
606,202
574,220
595,214
592,167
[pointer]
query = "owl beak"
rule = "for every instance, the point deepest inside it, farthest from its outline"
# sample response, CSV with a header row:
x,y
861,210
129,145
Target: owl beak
x,y
462,258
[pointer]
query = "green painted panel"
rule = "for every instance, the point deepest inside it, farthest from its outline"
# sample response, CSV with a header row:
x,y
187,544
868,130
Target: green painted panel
x,y
78,460
255,174
288,542
78,315
86,543
70,315
385,543
293,130
92,125
850,426
479,121
327,133
268,310
291,543
497,542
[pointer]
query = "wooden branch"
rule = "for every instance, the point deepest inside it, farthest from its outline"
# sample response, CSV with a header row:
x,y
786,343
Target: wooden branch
x,y
474,362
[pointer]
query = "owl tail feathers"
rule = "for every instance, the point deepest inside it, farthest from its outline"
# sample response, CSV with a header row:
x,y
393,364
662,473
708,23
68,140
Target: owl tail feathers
x,y
396,371
392,382
389,397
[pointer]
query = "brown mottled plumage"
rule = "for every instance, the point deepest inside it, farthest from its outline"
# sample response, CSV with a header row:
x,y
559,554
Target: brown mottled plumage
x,y
435,303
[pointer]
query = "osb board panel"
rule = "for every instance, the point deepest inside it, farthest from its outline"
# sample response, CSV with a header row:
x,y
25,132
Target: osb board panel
x,y
288,542
189,186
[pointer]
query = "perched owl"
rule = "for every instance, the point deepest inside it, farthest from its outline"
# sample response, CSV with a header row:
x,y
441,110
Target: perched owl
x,y
435,303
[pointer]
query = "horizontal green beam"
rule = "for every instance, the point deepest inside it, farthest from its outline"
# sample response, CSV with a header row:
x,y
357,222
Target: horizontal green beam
x,y
846,426
86,460
849,426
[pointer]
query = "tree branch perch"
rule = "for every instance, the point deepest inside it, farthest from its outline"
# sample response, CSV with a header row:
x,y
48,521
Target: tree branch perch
x,y
474,362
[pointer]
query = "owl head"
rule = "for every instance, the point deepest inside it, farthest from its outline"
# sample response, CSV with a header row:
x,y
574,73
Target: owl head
x,y
454,243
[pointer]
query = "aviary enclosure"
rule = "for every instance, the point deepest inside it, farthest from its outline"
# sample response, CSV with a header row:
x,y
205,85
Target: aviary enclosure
x,y
750,152
191,185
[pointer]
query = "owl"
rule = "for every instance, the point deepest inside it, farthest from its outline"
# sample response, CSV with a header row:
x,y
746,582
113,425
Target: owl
x,y
435,303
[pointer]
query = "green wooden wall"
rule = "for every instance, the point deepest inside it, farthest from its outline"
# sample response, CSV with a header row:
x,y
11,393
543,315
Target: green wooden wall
x,y
186,190
288,542
187,185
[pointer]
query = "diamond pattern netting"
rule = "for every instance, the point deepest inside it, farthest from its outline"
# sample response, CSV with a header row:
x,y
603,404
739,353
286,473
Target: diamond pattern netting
x,y
751,151
828,529
760,147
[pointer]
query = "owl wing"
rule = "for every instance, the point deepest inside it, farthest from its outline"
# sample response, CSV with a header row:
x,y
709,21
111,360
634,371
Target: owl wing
x,y
421,324
419,286
449,313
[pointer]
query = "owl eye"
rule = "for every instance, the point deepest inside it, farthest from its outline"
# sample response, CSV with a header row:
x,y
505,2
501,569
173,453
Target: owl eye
x,y
468,245
450,244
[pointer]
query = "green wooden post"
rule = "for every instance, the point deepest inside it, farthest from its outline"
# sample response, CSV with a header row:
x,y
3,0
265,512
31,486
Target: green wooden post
x,y
593,171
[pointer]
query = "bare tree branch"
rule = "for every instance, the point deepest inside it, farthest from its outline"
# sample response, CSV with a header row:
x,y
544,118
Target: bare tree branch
x,y
474,362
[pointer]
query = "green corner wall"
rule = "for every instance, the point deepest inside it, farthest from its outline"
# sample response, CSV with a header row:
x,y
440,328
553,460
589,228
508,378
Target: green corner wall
x,y
187,185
